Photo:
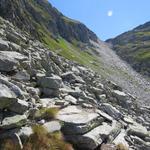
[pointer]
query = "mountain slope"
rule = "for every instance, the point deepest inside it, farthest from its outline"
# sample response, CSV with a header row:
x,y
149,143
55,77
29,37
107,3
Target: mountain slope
x,y
41,19
134,47
74,41
45,23
47,101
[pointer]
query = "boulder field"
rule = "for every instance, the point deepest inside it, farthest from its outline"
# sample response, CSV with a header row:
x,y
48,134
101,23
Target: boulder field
x,y
94,113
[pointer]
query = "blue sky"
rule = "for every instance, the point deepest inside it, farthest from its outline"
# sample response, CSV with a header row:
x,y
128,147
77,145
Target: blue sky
x,y
107,18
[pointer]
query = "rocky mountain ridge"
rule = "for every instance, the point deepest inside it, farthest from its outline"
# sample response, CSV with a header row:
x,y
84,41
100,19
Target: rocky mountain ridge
x,y
133,47
94,113
40,18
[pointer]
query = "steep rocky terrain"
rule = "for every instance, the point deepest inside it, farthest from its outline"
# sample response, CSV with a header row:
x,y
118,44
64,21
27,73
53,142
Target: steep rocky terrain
x,y
57,77
133,47
94,113
43,21
74,41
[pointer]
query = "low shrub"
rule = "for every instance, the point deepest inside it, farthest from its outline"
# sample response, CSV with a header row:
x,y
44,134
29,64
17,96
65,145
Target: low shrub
x,y
121,146
42,140
46,113
9,144
39,140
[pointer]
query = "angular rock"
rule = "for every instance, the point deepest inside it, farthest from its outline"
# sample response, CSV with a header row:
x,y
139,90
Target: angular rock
x,y
3,45
25,132
104,115
46,102
53,82
9,60
114,86
96,91
22,76
50,92
140,144
13,122
75,93
52,126
128,120
13,89
15,47
77,120
122,98
7,97
72,78
85,105
61,103
33,91
91,139
13,37
71,99
102,98
121,139
119,94
7,64
110,110
19,107
14,55
137,130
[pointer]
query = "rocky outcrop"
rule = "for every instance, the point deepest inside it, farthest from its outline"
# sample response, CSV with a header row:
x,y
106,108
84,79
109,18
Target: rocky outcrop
x,y
24,14
92,111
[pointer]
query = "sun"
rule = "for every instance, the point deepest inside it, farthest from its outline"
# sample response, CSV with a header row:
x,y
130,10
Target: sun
x,y
109,13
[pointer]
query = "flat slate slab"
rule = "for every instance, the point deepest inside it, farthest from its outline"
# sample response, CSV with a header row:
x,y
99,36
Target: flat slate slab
x,y
78,120
13,122
92,139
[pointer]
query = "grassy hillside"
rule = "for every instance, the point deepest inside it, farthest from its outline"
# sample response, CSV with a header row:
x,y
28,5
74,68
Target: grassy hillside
x,y
66,36
134,47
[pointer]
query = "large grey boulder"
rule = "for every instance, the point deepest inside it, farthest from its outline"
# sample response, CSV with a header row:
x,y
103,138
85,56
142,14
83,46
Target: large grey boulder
x,y
3,45
22,76
7,63
14,37
137,130
13,122
13,89
72,78
9,60
53,82
77,120
50,92
93,138
19,106
122,98
7,97
15,47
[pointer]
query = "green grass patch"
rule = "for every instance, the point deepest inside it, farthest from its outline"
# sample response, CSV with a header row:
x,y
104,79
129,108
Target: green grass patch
x,y
46,113
143,55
